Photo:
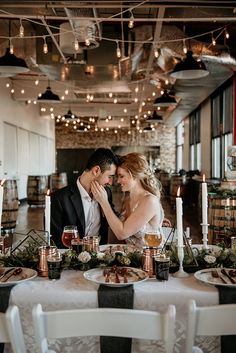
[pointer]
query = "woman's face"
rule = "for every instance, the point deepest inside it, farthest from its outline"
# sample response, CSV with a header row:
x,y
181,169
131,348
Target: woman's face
x,y
125,179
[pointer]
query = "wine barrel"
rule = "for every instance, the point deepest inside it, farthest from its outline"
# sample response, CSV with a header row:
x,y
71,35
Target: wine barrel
x,y
177,181
10,204
222,218
57,181
37,186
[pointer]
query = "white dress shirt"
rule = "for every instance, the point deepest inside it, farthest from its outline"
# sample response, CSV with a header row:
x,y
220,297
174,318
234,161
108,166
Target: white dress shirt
x,y
91,212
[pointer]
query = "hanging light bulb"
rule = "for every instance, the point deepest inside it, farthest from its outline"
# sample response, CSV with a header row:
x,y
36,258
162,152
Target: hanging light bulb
x,y
213,41
131,21
21,30
45,46
156,52
226,34
185,49
118,51
11,47
87,42
76,44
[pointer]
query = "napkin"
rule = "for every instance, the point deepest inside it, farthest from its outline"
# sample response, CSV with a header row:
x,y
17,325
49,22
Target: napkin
x,y
227,295
115,297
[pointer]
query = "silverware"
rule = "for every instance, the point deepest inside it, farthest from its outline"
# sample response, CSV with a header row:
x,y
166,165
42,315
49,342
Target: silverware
x,y
215,274
224,272
15,271
6,272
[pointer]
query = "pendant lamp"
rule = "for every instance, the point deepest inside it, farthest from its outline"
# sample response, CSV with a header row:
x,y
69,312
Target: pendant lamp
x,y
48,96
165,100
70,115
189,68
11,65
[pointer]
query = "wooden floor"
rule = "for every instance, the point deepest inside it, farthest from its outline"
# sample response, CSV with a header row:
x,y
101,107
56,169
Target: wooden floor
x,y
31,217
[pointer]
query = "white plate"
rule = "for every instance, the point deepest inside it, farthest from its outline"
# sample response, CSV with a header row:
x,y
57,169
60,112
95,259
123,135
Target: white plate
x,y
25,275
96,275
206,277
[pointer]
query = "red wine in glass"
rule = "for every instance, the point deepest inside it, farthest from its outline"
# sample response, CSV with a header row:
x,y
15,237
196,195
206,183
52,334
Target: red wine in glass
x,y
69,233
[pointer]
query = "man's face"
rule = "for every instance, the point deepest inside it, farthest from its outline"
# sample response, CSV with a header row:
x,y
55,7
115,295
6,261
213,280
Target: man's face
x,y
106,178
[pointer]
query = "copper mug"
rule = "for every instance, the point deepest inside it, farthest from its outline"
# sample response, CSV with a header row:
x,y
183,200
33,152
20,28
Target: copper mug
x,y
44,252
91,243
149,254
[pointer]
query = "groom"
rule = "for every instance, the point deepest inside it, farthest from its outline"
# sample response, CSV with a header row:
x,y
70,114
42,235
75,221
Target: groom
x,y
74,205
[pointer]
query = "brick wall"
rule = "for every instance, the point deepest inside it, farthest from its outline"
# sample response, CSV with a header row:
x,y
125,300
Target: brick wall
x,y
164,137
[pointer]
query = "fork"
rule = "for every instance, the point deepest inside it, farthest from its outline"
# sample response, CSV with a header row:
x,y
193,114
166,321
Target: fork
x,y
6,272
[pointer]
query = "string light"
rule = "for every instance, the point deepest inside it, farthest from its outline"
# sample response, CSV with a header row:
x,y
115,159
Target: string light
x,y
118,51
76,44
87,42
185,49
213,41
131,21
156,53
11,47
21,30
45,46
226,34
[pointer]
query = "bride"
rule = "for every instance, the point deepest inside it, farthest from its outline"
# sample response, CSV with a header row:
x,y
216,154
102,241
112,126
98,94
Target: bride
x,y
142,211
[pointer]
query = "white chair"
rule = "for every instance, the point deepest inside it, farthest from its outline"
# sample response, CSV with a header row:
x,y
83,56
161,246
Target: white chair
x,y
215,320
11,329
104,322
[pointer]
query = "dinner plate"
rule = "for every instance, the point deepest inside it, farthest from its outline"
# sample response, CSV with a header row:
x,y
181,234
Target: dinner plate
x,y
134,276
206,277
25,275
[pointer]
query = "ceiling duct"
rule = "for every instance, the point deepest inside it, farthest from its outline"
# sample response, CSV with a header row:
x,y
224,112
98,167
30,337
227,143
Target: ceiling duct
x,y
80,29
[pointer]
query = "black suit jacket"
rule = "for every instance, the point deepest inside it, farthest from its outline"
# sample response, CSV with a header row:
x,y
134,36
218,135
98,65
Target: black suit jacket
x,y
67,209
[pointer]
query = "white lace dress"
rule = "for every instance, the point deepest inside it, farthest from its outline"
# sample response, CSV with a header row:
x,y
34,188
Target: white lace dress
x,y
138,238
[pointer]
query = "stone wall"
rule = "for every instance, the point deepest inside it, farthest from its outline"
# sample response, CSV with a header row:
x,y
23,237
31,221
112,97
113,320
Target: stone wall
x,y
163,137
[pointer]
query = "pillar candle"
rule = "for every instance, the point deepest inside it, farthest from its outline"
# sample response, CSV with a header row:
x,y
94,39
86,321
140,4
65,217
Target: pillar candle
x,y
204,202
179,220
1,202
47,212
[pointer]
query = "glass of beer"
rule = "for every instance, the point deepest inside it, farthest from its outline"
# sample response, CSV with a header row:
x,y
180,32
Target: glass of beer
x,y
153,239
69,233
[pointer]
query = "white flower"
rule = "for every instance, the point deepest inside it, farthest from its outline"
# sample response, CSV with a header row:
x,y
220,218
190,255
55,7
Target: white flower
x,y
210,259
84,257
100,255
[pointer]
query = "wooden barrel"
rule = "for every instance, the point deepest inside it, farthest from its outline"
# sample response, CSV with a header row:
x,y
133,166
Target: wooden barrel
x,y
222,218
37,186
177,181
10,204
164,178
57,181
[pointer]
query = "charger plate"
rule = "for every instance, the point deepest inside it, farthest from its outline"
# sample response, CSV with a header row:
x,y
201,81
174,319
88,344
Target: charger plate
x,y
206,277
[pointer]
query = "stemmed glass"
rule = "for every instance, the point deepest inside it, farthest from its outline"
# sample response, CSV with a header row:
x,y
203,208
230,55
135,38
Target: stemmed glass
x,y
153,239
69,232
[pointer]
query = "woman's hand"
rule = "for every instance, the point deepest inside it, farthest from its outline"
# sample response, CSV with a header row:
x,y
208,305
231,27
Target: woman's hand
x,y
99,193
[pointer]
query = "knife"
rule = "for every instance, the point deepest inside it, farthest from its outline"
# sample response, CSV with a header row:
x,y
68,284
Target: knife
x,y
6,272
224,272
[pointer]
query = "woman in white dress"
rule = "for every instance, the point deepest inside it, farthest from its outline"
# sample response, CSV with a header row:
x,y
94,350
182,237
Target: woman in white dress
x,y
142,210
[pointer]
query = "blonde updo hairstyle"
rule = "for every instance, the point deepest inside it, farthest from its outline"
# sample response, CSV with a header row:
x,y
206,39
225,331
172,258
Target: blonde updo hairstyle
x,y
137,165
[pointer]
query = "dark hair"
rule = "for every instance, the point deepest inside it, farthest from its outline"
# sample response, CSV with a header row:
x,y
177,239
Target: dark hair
x,y
103,157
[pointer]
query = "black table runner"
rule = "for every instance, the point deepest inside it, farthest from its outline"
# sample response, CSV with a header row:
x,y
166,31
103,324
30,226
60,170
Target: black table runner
x,y
115,297
227,295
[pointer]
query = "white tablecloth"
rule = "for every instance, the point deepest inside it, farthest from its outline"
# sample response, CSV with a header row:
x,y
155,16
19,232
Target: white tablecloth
x,y
74,291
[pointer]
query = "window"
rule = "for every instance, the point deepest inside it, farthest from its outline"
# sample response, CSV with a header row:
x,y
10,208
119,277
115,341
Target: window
x,y
179,147
222,127
194,140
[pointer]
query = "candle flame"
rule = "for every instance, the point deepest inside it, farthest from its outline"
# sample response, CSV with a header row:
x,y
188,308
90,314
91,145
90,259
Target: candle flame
x,y
203,178
2,182
178,192
48,192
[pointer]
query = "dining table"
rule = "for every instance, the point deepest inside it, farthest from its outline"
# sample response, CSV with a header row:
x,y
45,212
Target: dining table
x,y
74,291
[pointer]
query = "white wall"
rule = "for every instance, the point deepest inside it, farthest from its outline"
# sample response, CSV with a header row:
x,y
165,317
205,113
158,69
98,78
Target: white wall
x,y
27,140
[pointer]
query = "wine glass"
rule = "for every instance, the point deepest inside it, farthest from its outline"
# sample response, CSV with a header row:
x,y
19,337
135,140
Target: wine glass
x,y
69,232
153,239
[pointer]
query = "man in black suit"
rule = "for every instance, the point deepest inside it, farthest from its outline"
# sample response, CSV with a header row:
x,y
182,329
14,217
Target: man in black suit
x,y
74,204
